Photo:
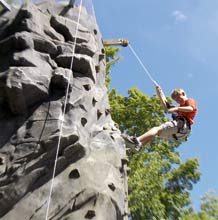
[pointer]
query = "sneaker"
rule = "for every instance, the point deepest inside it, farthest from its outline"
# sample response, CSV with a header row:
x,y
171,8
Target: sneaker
x,y
138,147
133,142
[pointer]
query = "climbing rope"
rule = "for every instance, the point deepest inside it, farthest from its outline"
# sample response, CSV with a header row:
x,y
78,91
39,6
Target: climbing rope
x,y
161,94
143,66
61,118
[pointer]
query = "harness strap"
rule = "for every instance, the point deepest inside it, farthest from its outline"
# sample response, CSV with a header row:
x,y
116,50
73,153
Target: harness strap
x,y
181,127
175,137
184,120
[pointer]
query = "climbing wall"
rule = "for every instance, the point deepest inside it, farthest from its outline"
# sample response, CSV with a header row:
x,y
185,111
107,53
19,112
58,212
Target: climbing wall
x,y
53,95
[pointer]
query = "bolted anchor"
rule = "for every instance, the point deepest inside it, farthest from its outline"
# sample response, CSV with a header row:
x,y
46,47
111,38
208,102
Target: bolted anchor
x,y
116,42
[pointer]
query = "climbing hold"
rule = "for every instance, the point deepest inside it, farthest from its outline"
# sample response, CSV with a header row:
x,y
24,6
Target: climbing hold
x,y
1,161
99,113
3,164
1,195
112,137
94,101
87,87
112,186
97,69
90,214
95,31
83,107
74,174
83,121
101,56
124,161
128,170
107,111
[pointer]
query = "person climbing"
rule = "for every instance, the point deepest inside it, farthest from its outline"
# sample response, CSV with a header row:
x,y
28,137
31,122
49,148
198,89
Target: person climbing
x,y
178,128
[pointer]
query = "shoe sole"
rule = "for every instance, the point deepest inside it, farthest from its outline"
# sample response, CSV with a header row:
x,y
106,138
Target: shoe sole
x,y
129,144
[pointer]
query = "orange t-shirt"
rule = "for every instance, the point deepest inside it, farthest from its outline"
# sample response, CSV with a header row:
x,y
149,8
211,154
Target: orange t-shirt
x,y
189,115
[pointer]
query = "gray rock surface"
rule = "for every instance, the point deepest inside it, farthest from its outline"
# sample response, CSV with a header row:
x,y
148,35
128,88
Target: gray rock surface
x,y
50,97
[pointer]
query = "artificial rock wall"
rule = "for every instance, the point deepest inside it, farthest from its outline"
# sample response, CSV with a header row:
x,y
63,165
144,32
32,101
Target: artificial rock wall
x,y
37,45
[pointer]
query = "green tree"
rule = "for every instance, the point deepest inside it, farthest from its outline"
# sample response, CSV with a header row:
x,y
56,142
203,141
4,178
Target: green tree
x,y
159,182
111,59
209,205
208,209
196,216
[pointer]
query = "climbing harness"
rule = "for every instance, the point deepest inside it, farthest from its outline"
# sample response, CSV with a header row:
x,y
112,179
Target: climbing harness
x,y
61,118
184,128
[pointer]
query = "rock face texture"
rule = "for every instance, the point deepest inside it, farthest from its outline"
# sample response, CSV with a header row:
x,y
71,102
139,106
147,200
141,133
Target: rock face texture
x,y
53,96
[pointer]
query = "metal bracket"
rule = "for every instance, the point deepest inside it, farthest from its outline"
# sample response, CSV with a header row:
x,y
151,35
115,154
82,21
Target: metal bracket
x,y
116,42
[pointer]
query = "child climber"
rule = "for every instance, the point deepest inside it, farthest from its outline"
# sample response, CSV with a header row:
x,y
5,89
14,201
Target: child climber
x,y
179,128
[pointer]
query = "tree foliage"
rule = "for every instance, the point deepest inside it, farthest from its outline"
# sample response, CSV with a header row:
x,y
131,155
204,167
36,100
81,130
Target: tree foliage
x,y
209,205
208,209
111,59
197,216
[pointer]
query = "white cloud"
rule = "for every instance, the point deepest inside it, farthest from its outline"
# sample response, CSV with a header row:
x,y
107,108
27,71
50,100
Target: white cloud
x,y
179,16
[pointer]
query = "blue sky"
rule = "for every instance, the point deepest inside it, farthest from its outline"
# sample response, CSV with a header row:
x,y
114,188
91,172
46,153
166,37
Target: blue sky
x,y
178,42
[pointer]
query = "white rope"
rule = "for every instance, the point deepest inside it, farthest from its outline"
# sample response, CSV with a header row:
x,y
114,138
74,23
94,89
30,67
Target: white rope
x,y
151,78
143,66
62,117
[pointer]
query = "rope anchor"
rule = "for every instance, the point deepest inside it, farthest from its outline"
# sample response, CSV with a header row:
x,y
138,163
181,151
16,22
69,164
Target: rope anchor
x,y
116,42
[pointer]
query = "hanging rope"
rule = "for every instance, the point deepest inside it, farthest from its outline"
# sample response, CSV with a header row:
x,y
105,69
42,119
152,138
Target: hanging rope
x,y
143,66
161,94
62,116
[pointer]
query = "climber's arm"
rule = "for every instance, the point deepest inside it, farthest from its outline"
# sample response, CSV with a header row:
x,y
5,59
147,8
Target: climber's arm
x,y
162,98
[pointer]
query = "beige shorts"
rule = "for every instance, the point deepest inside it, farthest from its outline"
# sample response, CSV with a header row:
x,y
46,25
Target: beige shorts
x,y
174,130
